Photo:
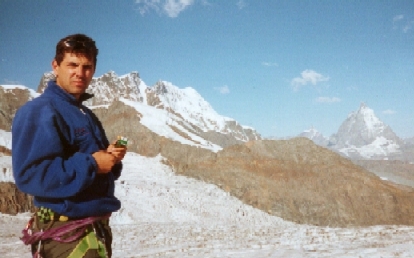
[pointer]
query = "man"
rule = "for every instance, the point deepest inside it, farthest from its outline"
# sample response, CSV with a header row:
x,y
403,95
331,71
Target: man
x,y
62,157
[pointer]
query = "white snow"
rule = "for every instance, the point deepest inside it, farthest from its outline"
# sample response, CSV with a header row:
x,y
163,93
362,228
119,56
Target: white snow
x,y
5,139
165,215
372,123
33,94
189,103
156,119
194,109
380,146
6,174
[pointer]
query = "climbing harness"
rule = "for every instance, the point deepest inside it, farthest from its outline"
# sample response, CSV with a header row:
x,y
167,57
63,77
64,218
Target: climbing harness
x,y
71,231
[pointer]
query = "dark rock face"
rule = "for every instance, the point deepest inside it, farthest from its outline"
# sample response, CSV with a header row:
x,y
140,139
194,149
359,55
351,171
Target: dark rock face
x,y
13,201
5,151
11,100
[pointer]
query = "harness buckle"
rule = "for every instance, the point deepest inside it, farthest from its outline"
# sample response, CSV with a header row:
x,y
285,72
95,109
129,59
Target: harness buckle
x,y
28,227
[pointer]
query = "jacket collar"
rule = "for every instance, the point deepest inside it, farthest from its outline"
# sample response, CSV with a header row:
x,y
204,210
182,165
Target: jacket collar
x,y
53,88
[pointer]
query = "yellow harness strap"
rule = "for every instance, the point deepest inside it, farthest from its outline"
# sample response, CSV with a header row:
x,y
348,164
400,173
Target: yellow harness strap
x,y
90,241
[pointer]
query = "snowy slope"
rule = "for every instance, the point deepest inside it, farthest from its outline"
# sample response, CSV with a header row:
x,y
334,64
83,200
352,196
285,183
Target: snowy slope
x,y
380,147
6,172
160,121
5,139
9,88
164,215
191,105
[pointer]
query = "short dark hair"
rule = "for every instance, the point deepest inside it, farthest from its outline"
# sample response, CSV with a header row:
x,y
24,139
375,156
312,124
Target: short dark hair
x,y
77,44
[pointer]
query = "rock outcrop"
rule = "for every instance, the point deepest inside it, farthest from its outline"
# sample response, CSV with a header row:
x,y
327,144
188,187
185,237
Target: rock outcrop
x,y
12,97
13,201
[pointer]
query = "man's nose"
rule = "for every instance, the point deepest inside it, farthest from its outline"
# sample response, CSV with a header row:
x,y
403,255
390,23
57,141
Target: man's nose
x,y
80,71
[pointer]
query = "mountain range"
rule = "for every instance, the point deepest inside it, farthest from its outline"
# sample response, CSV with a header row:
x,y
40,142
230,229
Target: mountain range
x,y
183,115
362,135
281,177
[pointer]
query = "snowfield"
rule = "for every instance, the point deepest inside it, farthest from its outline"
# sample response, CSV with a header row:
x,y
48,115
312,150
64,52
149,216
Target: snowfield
x,y
165,215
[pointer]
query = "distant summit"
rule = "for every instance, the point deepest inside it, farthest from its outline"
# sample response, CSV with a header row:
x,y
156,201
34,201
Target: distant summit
x,y
315,136
363,135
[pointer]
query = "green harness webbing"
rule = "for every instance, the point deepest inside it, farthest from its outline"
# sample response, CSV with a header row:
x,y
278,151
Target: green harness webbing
x,y
90,241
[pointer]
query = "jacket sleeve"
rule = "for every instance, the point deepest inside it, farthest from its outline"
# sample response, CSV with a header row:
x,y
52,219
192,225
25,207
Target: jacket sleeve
x,y
42,164
117,168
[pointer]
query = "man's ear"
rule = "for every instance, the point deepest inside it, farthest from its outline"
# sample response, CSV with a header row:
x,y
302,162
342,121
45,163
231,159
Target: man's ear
x,y
55,67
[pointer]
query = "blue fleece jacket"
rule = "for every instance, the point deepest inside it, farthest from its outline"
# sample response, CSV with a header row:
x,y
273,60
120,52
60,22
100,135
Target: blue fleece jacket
x,y
53,138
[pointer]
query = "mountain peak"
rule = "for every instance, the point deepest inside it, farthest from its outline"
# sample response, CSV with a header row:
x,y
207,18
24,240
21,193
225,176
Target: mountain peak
x,y
361,129
110,73
367,115
314,135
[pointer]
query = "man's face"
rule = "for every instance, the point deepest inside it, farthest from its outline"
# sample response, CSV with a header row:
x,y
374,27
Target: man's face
x,y
74,73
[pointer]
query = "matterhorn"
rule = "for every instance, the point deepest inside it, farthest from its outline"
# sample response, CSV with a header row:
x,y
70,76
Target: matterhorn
x,y
363,136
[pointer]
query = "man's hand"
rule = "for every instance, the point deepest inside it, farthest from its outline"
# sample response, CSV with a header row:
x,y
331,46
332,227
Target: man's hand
x,y
118,153
105,161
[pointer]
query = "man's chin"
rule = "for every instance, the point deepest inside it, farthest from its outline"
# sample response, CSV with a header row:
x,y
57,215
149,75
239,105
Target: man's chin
x,y
80,88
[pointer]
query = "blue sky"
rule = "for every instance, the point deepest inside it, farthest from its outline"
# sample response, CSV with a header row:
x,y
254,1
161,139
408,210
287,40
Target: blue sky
x,y
278,66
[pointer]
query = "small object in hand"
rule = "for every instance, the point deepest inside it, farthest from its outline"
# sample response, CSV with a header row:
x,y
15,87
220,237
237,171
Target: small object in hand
x,y
121,142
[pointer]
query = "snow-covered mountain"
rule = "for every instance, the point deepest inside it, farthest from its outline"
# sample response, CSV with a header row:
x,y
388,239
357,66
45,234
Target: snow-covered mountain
x,y
361,128
362,135
183,115
315,136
